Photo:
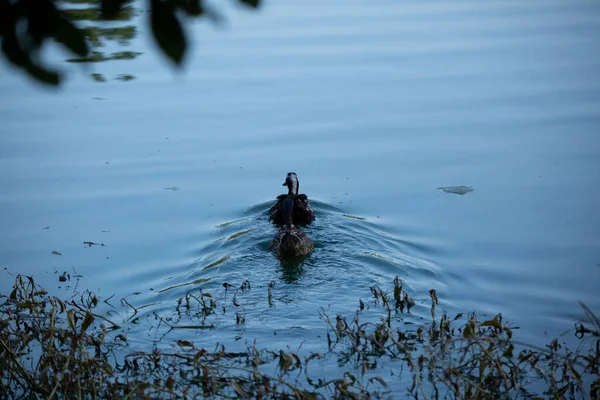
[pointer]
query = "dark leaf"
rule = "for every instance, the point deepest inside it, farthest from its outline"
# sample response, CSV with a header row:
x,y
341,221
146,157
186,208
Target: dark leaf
x,y
108,369
193,8
380,380
87,321
167,30
170,382
42,74
41,20
492,322
71,319
509,351
12,51
238,389
67,34
469,331
199,354
62,305
110,8
8,17
251,3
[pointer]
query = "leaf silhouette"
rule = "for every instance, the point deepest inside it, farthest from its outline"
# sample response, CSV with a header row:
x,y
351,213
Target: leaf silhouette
x,y
167,30
67,34
42,74
251,3
110,8
17,56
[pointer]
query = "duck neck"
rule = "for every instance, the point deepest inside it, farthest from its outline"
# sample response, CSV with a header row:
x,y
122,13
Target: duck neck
x,y
293,186
288,208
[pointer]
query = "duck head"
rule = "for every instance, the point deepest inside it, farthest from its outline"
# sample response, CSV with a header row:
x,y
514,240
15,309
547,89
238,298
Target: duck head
x,y
291,181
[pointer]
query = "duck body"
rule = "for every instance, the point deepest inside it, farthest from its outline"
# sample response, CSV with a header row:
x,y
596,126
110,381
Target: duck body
x,y
289,241
302,213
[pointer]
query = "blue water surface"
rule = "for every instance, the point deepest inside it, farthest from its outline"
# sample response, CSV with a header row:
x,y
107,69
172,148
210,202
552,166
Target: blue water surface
x,y
376,106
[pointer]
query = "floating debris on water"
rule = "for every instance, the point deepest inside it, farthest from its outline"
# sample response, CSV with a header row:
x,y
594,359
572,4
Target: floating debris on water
x,y
96,56
56,252
125,77
238,234
98,77
90,244
226,224
354,217
457,189
173,188
219,261
377,255
196,282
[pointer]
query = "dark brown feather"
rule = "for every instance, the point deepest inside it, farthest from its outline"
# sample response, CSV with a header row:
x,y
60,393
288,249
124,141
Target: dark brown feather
x,y
289,241
303,213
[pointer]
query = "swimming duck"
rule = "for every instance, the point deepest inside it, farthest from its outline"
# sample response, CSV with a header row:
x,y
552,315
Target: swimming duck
x,y
302,213
289,241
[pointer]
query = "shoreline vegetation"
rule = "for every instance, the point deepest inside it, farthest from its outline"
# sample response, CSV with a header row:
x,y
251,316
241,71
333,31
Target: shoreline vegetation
x,y
64,348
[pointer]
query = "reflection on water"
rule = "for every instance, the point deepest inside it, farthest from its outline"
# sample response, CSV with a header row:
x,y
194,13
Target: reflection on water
x,y
93,13
120,77
123,35
125,77
291,270
97,56
100,35
98,77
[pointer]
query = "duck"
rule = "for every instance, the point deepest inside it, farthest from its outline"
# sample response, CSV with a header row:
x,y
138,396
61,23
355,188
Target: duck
x,y
289,241
303,213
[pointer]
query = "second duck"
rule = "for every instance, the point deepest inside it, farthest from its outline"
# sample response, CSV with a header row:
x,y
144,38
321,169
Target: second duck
x,y
289,241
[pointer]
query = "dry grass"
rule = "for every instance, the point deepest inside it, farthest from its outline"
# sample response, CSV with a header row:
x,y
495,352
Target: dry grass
x,y
52,348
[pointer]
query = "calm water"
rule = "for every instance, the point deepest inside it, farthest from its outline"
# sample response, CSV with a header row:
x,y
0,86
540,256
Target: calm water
x,y
375,106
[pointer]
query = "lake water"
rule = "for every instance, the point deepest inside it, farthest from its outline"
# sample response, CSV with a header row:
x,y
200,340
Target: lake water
x,y
375,105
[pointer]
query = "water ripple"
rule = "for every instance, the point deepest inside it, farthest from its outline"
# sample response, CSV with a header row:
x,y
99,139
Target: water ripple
x,y
351,254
